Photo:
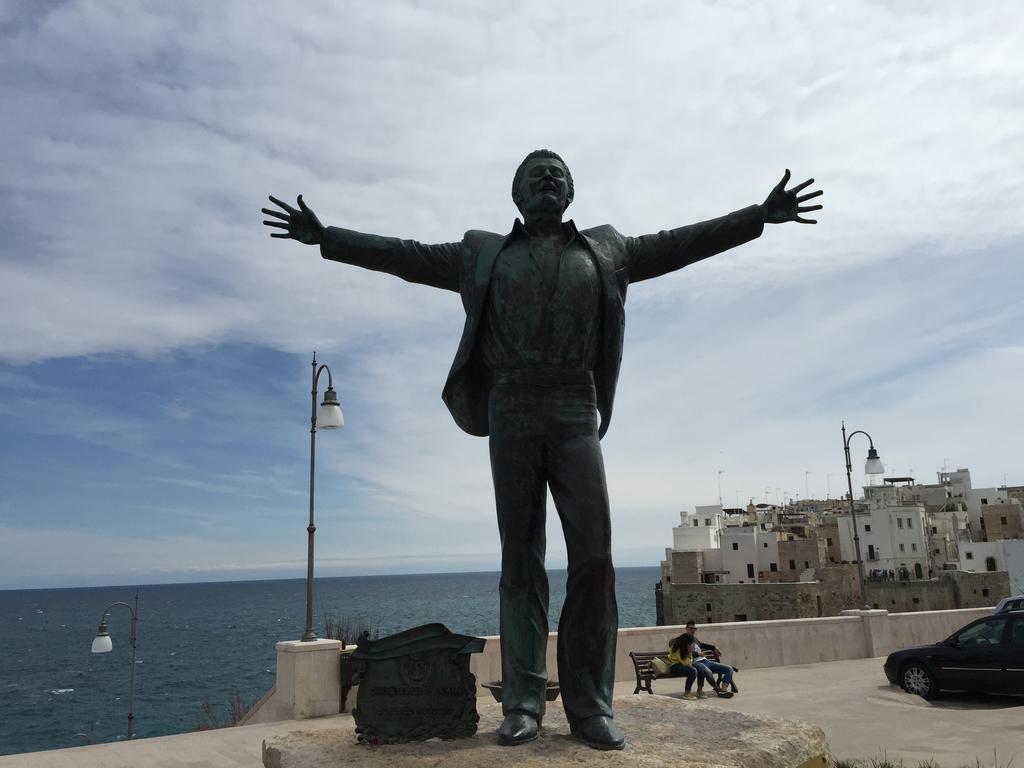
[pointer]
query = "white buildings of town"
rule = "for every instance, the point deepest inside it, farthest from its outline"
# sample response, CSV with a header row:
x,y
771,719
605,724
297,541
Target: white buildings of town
x,y
912,530
1003,555
954,492
894,535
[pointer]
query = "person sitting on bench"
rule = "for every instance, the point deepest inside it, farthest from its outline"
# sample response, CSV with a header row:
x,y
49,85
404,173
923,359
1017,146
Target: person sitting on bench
x,y
707,655
680,664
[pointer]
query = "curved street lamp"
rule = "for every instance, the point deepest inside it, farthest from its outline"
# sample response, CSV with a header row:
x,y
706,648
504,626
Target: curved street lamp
x,y
103,644
872,466
328,417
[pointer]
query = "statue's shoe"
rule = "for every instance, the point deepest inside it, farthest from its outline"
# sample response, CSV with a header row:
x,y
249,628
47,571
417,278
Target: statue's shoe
x,y
517,728
599,732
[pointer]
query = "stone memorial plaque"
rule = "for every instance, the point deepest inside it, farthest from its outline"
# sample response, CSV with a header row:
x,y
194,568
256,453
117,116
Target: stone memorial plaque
x,y
415,685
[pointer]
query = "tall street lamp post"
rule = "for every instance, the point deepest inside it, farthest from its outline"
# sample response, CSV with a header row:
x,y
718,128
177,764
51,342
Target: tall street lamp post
x,y
328,417
103,644
873,466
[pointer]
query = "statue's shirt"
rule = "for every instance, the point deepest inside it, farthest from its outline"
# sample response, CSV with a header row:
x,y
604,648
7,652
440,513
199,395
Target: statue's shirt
x,y
537,317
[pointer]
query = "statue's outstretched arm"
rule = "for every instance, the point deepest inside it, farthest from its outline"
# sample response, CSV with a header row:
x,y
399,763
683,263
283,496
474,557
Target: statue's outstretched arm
x,y
435,265
669,250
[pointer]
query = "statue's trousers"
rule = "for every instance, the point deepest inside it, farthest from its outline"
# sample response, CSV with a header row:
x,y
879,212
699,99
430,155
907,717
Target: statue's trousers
x,y
546,437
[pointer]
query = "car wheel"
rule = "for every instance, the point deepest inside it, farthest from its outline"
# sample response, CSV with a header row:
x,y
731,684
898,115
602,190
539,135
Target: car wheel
x,y
916,678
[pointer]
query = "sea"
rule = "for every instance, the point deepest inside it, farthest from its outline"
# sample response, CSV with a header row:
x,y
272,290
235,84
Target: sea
x,y
202,645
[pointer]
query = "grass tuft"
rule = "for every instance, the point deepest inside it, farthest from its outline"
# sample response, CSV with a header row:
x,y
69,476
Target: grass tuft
x,y
885,762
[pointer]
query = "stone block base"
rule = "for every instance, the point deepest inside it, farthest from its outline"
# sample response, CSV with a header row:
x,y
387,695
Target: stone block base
x,y
660,731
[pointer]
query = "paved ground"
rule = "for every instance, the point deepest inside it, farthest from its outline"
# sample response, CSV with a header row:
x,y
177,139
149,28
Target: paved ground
x,y
850,700
863,716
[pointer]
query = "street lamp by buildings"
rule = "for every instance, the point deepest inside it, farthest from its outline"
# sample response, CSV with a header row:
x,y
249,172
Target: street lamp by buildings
x,y
872,466
328,417
103,644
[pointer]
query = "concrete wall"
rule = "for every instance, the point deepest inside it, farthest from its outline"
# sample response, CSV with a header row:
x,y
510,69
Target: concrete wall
x,y
747,645
757,644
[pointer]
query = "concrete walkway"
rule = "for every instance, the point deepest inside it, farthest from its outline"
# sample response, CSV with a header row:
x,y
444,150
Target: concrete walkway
x,y
850,700
864,717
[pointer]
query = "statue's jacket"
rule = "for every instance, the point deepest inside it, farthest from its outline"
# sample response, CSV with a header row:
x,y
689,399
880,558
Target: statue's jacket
x,y
466,267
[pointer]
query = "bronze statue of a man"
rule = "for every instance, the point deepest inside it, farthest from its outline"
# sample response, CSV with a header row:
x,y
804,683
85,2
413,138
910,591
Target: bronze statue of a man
x,y
538,362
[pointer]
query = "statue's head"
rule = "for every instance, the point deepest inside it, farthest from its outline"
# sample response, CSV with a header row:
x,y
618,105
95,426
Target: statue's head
x,y
542,183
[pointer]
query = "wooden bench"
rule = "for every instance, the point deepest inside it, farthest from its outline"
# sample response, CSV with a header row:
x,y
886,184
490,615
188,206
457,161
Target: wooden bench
x,y
643,666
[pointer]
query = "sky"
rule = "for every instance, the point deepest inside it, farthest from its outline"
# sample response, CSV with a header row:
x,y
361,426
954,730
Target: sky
x,y
155,343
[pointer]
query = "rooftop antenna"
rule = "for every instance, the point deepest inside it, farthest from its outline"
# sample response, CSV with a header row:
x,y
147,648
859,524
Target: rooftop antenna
x,y
720,473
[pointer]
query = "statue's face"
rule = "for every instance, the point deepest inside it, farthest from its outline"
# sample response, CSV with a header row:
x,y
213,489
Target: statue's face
x,y
544,187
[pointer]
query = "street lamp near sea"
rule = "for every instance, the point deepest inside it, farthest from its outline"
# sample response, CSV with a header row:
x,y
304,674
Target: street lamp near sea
x,y
103,644
872,466
329,416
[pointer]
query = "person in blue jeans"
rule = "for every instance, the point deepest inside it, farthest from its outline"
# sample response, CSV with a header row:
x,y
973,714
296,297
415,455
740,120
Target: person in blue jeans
x,y
711,667
680,660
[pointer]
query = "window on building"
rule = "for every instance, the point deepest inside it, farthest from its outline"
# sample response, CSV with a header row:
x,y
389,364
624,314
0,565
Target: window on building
x,y
739,617
899,522
829,541
766,545
773,567
934,529
984,501
936,551
903,547
1002,520
707,607
735,545
867,529
696,522
913,546
707,521
970,555
792,565
750,570
984,593
990,563
910,522
915,600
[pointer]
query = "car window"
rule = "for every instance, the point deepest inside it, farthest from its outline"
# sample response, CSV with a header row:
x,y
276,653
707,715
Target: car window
x,y
1014,605
1017,632
988,632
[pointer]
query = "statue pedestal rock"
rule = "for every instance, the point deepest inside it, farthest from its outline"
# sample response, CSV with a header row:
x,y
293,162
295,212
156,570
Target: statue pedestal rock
x,y
661,731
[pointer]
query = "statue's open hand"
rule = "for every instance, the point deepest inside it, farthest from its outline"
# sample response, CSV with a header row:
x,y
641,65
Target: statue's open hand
x,y
301,224
783,205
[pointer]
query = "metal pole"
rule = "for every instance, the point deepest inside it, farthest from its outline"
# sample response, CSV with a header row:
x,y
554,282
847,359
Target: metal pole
x,y
309,635
131,674
853,517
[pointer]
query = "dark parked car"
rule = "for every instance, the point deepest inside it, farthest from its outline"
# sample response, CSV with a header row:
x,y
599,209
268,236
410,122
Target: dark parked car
x,y
1010,604
985,656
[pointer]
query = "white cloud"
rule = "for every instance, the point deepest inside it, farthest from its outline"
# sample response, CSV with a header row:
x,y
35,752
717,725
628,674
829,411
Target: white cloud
x,y
139,144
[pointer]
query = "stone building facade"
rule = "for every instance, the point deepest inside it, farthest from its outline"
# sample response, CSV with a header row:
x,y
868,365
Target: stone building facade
x,y
1002,521
835,590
